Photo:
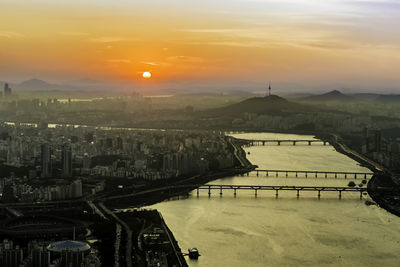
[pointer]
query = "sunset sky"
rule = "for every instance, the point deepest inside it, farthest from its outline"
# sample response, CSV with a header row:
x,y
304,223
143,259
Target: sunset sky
x,y
349,43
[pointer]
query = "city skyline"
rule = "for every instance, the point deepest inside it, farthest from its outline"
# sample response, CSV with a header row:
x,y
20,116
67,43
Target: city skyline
x,y
297,44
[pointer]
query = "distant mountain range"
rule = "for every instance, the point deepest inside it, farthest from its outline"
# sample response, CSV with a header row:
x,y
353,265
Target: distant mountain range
x,y
271,105
77,85
334,95
337,96
36,84
88,85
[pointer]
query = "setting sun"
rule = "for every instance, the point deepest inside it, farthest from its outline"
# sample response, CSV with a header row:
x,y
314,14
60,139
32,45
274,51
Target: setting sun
x,y
146,75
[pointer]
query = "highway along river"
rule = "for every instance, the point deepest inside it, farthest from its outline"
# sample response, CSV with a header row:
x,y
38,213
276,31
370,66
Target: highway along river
x,y
286,231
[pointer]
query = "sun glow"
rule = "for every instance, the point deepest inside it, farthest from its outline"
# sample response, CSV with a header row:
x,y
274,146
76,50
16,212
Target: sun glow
x,y
146,75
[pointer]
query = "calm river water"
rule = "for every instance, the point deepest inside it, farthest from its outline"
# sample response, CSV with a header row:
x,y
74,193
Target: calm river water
x,y
285,231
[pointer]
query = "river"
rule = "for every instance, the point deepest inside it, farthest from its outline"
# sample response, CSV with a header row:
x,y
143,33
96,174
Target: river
x,y
267,231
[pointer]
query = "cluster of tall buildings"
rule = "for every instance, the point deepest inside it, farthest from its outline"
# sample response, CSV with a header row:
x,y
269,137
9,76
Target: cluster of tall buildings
x,y
47,164
7,90
25,191
381,148
65,152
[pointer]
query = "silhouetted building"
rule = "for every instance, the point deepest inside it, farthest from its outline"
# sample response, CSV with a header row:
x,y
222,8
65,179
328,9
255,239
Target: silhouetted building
x,y
120,143
8,193
109,143
89,137
378,141
10,256
40,256
46,160
66,159
7,90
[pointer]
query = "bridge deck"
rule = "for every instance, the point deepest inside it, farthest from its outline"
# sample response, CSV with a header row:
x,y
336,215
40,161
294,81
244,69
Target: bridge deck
x,y
305,171
280,187
294,142
282,140
277,188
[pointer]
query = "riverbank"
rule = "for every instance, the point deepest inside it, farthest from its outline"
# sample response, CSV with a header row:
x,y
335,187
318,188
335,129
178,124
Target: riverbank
x,y
155,195
382,187
385,192
342,148
151,196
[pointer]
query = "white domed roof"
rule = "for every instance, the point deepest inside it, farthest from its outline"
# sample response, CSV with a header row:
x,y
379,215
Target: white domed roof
x,y
68,245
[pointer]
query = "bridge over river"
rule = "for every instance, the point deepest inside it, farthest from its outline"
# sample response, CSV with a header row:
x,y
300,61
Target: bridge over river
x,y
307,173
223,187
263,142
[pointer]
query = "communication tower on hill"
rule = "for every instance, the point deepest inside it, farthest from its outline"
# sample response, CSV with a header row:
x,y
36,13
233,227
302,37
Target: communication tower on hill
x,y
268,93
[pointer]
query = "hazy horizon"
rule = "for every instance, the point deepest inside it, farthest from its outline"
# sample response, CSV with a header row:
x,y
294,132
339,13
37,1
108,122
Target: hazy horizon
x,y
302,46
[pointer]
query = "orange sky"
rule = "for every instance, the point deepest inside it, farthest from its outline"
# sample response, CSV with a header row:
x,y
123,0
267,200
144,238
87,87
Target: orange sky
x,y
352,43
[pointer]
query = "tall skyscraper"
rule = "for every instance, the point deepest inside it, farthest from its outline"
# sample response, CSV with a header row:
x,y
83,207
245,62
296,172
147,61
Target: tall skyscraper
x,y
7,90
66,159
46,160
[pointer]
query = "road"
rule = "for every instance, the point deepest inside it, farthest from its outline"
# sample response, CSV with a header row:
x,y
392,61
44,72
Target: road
x,y
128,252
117,244
377,166
96,209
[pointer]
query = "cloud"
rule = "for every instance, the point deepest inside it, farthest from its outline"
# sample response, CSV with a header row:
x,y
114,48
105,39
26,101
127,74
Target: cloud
x,y
109,39
150,63
188,59
119,61
74,33
244,43
210,30
7,34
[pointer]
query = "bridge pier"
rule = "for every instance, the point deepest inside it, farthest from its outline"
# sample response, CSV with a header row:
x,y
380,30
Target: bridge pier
x,y
279,143
276,174
309,143
324,143
294,143
266,174
340,194
197,192
345,176
255,192
276,193
335,175
355,176
257,173
296,174
298,193
361,195
286,174
316,174
220,191
234,192
326,175
209,191
306,174
319,194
